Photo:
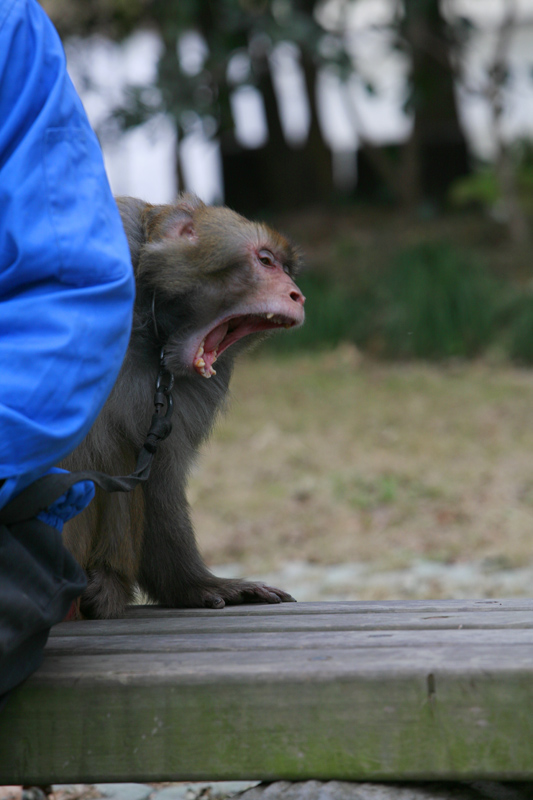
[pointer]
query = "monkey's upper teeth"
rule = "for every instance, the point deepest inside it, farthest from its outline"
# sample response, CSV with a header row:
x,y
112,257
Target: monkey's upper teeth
x,y
278,319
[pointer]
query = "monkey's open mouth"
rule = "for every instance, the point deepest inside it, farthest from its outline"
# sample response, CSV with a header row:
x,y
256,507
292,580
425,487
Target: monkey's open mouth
x,y
231,330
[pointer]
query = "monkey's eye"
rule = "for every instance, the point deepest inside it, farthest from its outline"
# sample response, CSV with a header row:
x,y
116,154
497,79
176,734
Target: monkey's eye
x,y
266,258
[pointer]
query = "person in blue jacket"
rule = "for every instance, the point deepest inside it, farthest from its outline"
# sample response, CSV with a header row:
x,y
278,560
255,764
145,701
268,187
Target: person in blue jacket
x,y
66,295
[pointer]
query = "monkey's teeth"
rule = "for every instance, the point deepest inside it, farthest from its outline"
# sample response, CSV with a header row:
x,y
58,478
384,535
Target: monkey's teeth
x,y
270,315
206,372
200,363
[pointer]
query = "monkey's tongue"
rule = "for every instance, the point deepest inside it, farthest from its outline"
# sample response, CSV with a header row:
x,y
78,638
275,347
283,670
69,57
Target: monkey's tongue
x,y
226,333
214,337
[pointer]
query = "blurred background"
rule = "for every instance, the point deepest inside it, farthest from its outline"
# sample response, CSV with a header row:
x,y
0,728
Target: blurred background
x,y
386,449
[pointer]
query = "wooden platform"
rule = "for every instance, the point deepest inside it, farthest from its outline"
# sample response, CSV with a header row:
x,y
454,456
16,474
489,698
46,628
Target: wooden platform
x,y
308,690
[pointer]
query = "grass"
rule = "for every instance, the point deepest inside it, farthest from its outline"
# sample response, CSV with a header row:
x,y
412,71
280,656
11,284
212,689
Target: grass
x,y
437,302
329,457
432,301
400,288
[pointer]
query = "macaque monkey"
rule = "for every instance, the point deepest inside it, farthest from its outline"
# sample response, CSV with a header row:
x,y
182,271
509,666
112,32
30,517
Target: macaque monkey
x,y
208,281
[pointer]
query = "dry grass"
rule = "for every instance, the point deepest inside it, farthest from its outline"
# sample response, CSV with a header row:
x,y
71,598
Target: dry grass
x,y
329,458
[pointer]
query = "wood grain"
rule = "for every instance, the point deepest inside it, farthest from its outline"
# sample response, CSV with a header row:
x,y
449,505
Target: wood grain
x,y
353,691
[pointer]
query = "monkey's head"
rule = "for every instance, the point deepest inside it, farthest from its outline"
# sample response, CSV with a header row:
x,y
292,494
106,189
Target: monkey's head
x,y
209,277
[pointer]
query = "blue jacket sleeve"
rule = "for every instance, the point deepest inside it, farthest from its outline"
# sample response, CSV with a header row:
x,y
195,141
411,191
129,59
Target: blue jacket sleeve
x,y
66,284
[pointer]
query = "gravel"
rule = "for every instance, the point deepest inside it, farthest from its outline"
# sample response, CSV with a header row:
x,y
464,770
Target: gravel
x,y
423,580
284,790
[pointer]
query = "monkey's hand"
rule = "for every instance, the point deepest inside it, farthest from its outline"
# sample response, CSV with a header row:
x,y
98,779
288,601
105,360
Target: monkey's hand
x,y
233,591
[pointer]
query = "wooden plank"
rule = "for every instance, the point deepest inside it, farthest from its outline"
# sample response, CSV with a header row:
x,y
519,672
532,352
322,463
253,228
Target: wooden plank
x,y
315,640
141,669
277,621
413,697
342,607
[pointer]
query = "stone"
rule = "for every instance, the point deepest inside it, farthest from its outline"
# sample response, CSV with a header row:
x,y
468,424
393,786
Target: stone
x,y
215,790
348,790
124,791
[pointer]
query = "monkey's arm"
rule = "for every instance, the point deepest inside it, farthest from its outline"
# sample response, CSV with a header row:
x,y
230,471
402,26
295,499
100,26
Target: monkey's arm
x,y
172,570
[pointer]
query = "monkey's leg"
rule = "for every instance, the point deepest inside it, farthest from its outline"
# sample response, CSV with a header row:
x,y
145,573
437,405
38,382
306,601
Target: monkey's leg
x,y
105,540
172,570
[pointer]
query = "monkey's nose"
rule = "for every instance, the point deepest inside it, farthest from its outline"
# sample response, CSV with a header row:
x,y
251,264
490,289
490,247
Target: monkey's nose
x,y
297,296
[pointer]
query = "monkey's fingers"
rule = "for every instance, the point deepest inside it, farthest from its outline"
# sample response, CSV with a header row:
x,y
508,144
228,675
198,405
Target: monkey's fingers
x,y
261,593
232,592
210,600
274,595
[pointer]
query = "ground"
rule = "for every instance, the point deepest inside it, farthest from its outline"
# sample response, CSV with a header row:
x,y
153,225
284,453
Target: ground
x,y
331,458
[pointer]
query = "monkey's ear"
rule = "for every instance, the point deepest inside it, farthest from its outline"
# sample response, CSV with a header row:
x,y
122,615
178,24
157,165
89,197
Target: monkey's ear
x,y
175,224
176,221
131,210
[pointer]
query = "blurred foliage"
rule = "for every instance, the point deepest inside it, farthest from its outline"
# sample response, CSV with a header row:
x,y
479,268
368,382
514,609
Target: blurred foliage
x,y
246,30
432,301
436,302
519,340
112,18
235,42
480,188
333,315
484,188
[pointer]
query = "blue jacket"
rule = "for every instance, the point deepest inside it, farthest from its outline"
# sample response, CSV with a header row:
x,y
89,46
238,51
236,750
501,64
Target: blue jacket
x,y
66,284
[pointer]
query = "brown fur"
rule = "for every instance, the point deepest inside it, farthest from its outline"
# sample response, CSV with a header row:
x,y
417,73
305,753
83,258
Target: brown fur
x,y
194,263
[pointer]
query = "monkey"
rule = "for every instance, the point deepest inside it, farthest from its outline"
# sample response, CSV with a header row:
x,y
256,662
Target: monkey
x,y
207,282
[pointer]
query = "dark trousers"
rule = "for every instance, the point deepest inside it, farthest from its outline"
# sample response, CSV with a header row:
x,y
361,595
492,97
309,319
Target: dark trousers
x,y
39,579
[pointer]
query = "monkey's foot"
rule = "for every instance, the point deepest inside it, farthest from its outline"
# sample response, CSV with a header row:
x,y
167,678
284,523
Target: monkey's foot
x,y
232,592
106,596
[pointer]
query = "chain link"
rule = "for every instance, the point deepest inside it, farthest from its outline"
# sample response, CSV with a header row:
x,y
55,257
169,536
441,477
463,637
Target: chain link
x,y
163,387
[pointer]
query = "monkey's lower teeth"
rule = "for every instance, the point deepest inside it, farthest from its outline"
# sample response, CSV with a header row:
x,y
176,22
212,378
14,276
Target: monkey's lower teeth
x,y
200,364
207,372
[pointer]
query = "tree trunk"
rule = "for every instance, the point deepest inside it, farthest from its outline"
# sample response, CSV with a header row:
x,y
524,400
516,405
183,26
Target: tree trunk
x,y
437,153
278,175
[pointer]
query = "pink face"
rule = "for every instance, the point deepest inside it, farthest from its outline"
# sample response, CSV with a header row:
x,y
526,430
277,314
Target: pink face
x,y
244,267
275,302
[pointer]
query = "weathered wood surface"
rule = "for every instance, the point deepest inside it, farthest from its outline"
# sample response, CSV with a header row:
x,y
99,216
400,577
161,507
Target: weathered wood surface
x,y
353,691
